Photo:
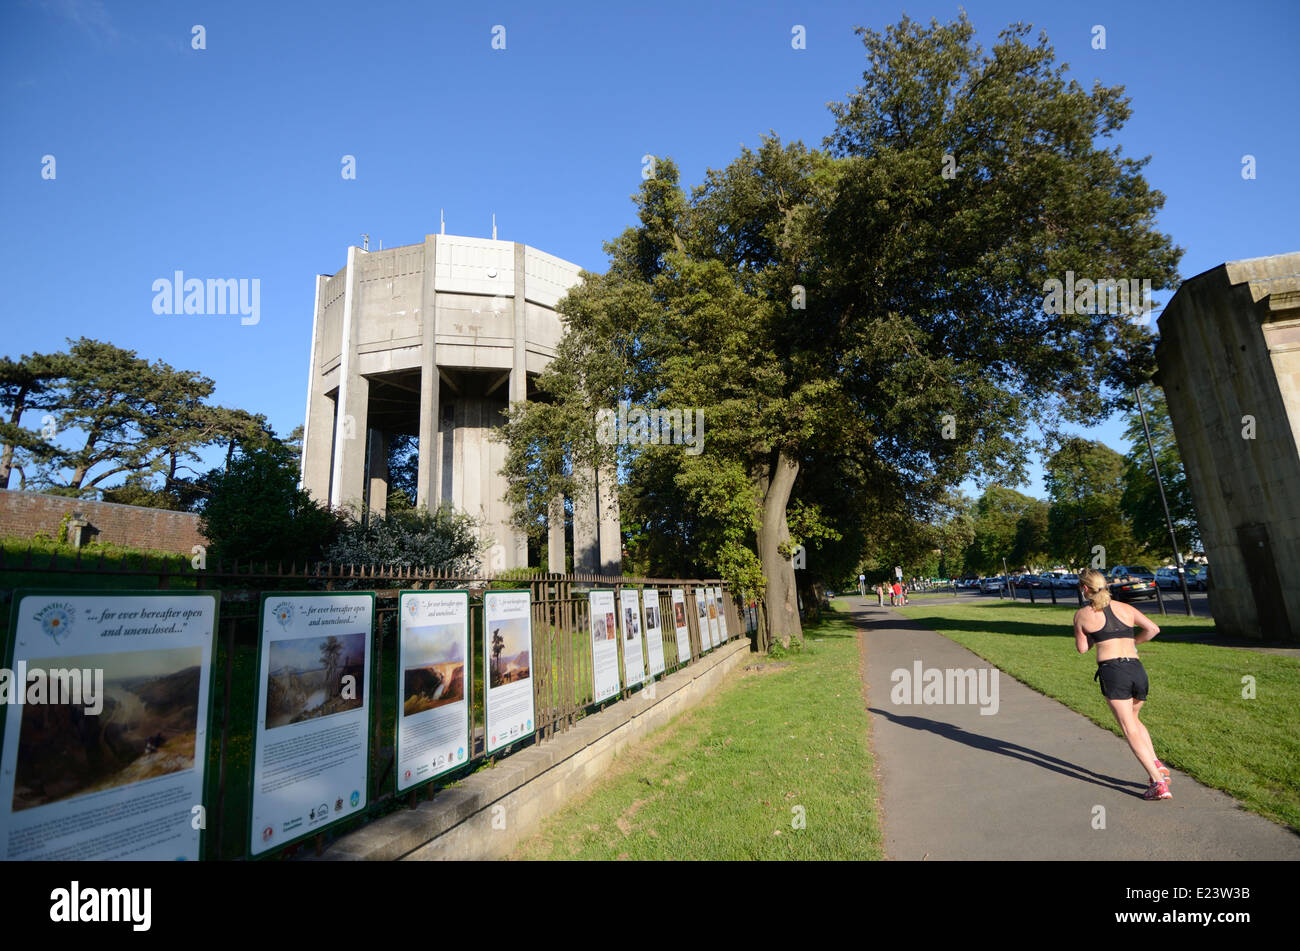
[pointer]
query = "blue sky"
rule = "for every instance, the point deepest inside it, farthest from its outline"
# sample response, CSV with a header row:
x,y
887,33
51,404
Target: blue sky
x,y
225,162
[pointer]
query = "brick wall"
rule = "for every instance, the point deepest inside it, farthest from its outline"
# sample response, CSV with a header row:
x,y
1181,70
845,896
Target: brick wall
x,y
23,514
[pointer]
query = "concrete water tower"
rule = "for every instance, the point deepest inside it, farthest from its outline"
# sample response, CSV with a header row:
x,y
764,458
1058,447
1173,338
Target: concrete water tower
x,y
1229,357
435,340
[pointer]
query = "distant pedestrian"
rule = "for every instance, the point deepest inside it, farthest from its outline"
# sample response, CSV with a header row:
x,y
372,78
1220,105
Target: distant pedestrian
x,y
896,594
880,595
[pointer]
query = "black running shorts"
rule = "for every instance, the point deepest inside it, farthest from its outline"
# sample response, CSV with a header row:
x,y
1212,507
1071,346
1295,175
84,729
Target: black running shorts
x,y
1123,678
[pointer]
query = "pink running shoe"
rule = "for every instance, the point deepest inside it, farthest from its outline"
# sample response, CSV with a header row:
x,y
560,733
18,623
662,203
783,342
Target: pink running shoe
x,y
1163,770
1158,790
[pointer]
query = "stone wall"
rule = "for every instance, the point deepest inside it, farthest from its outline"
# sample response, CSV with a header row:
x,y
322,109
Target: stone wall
x,y
485,815
24,514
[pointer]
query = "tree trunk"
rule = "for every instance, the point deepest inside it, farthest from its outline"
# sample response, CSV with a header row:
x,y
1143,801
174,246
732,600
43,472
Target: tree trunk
x,y
7,457
781,597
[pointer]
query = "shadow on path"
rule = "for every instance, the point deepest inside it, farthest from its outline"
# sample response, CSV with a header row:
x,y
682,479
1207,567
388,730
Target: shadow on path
x,y
1014,750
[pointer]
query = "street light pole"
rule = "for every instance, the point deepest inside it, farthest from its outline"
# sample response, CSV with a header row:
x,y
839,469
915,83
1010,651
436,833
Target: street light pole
x,y
1173,539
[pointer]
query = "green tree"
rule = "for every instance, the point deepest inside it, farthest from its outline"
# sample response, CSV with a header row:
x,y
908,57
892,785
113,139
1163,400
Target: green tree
x,y
403,469
28,384
856,314
256,512
1141,498
1085,481
1032,545
136,489
126,418
997,524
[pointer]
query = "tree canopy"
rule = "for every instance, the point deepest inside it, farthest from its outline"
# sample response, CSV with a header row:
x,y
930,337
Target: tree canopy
x,y
109,414
1140,500
862,326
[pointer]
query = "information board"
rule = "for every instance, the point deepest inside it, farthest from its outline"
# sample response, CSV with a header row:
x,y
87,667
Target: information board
x,y
633,657
654,631
604,645
433,715
722,615
714,636
311,739
702,619
508,655
680,628
105,702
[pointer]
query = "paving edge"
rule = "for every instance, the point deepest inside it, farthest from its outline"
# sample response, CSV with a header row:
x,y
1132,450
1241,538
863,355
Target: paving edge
x,y
487,814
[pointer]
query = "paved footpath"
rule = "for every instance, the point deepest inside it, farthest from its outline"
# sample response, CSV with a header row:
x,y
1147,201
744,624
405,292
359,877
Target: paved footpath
x,y
1024,783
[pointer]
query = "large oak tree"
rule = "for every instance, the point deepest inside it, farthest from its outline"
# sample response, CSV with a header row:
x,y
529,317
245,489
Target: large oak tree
x,y
870,316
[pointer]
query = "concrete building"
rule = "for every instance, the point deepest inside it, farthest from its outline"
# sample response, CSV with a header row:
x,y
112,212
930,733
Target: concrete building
x,y
1229,358
434,340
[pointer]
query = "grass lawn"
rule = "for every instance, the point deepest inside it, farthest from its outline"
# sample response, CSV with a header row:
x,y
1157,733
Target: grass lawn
x,y
1198,718
730,778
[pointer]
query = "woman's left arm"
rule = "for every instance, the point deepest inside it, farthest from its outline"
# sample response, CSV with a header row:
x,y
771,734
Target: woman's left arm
x,y
1082,639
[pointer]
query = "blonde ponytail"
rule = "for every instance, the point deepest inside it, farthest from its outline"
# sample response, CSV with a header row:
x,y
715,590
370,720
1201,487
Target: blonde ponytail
x,y
1098,594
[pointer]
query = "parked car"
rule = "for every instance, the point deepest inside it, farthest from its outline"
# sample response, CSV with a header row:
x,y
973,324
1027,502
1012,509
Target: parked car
x,y
1168,578
1196,577
1135,571
1067,581
992,585
1125,586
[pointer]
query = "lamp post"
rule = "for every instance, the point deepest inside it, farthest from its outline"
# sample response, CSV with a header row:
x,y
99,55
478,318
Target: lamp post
x,y
1169,522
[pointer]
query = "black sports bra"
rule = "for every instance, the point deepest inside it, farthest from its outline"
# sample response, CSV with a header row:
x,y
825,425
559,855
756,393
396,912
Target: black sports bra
x,y
1112,629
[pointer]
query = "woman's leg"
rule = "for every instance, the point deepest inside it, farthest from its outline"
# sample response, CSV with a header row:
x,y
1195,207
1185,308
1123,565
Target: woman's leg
x,y
1139,740
1142,729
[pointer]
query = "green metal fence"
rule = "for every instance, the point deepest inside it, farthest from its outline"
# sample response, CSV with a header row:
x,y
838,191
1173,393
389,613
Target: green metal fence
x,y
562,666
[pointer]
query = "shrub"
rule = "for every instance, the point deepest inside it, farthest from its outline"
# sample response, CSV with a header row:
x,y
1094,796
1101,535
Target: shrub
x,y
257,512
444,541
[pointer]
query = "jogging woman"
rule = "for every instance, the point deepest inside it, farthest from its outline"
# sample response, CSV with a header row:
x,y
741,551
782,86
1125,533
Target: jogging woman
x,y
1123,678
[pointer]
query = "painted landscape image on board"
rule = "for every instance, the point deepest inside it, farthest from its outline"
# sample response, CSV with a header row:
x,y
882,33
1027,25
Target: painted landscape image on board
x,y
434,673
508,652
146,727
306,678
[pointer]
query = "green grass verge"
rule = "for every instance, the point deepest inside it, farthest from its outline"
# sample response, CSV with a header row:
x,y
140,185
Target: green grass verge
x,y
1199,720
108,558
723,780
